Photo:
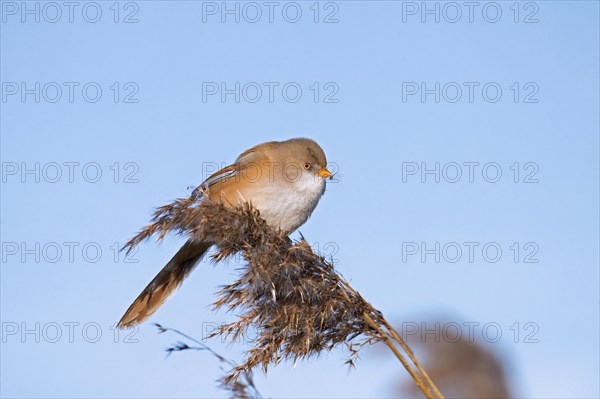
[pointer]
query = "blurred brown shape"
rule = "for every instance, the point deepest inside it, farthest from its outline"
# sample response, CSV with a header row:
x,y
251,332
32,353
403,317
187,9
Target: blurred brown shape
x,y
461,368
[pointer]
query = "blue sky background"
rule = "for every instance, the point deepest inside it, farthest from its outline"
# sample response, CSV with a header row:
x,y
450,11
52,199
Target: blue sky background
x,y
167,140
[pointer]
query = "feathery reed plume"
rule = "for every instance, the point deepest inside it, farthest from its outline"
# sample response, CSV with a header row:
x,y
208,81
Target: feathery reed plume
x,y
294,299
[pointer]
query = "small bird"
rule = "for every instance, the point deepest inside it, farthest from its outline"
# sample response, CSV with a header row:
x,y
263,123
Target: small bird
x,y
283,180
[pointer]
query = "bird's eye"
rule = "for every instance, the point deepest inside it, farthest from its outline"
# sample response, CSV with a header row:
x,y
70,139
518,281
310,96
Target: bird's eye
x,y
307,166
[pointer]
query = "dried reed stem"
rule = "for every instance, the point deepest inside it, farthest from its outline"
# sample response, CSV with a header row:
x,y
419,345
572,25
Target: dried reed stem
x,y
385,337
412,357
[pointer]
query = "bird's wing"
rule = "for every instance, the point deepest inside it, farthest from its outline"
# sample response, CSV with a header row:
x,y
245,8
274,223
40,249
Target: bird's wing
x,y
251,157
220,175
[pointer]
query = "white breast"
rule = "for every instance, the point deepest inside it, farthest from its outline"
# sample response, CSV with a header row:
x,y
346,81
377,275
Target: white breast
x,y
288,205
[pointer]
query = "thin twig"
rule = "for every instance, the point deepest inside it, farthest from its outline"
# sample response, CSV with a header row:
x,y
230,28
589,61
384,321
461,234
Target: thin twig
x,y
246,389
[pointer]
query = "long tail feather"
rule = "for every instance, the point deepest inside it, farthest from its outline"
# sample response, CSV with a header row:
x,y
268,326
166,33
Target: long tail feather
x,y
164,284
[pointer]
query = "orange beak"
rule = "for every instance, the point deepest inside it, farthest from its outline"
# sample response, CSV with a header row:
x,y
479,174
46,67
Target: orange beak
x,y
325,174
